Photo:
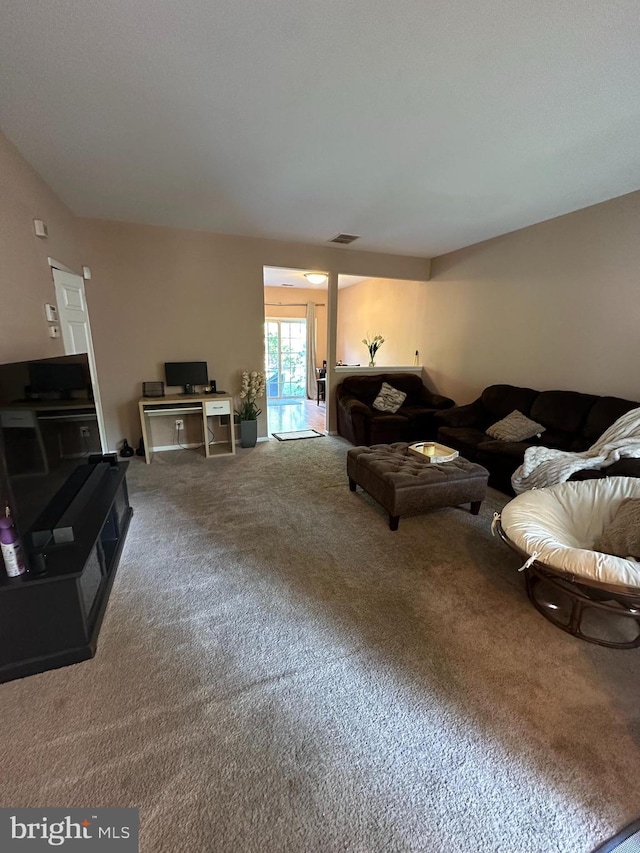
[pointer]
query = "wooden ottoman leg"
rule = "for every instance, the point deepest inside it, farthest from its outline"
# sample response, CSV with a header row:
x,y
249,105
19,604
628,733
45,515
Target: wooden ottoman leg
x,y
475,507
352,484
393,522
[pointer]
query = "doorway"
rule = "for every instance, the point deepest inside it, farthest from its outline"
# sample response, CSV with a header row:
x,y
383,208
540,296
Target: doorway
x,y
295,349
73,317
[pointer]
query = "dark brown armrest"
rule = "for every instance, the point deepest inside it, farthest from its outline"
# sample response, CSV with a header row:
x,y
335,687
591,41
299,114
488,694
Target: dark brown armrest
x,y
434,401
462,416
437,401
355,408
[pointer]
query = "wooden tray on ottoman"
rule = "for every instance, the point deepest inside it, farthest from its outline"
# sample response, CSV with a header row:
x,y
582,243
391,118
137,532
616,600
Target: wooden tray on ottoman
x,y
433,452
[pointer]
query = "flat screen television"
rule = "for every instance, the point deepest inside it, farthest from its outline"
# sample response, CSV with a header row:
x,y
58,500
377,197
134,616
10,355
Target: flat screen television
x,y
188,374
56,377
48,428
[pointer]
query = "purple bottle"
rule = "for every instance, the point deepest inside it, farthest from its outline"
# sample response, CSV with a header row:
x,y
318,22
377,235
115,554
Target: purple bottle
x,y
11,547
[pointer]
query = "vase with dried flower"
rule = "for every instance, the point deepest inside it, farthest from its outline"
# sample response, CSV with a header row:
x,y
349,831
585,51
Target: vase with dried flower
x,y
373,345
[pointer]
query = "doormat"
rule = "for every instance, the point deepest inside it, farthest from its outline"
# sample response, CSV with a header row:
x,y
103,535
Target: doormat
x,y
301,433
626,841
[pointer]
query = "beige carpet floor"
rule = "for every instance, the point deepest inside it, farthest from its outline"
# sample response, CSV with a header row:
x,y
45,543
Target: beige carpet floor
x,y
277,671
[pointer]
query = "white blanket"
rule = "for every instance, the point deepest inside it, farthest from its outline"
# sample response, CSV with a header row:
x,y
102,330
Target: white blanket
x,y
544,466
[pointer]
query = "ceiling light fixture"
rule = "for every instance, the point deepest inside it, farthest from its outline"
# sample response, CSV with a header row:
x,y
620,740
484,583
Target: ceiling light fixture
x,y
316,277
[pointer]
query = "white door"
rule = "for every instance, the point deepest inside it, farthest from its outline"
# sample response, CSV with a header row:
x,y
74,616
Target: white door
x,y
73,316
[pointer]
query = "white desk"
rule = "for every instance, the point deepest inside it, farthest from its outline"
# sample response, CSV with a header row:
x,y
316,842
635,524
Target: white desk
x,y
205,405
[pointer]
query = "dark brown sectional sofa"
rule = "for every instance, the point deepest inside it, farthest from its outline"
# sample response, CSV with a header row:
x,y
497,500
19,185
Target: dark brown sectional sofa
x,y
572,421
361,424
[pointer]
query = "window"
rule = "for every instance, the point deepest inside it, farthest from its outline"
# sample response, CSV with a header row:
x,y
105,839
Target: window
x,y
285,358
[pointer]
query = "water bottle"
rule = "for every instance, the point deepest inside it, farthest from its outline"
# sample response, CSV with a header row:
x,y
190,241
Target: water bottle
x,y
11,548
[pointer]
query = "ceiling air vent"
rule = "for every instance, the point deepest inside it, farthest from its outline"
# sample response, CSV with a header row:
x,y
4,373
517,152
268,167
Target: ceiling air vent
x,y
284,284
344,238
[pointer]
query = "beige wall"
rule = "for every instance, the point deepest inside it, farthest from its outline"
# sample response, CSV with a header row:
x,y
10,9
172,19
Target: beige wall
x,y
161,294
551,306
26,283
300,295
156,293
397,310
556,305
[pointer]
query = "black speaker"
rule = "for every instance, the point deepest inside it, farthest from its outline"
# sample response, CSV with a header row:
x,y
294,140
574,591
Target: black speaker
x,y
126,450
213,386
153,389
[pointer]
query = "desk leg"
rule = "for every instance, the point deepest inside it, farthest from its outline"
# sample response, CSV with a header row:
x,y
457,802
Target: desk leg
x,y
205,431
232,431
145,435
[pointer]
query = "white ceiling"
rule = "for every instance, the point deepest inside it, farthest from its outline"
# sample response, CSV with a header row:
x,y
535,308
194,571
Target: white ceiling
x,y
279,276
422,125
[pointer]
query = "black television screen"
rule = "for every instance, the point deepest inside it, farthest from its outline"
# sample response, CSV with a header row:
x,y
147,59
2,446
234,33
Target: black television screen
x,y
48,427
186,373
54,375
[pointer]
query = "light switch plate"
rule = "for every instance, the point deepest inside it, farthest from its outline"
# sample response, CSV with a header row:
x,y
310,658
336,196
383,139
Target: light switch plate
x,y
54,331
51,313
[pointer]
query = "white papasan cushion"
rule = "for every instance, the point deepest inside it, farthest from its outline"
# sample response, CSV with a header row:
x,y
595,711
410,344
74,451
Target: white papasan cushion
x,y
562,522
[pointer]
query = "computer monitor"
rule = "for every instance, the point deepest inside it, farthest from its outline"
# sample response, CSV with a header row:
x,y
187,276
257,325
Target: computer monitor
x,y
186,373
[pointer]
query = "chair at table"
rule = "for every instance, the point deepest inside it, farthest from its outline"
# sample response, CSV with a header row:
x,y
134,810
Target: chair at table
x,y
321,384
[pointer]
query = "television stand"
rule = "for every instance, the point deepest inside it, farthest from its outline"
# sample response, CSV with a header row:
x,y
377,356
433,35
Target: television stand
x,y
53,619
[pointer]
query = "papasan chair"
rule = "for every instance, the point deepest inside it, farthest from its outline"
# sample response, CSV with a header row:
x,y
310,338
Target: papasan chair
x,y
588,593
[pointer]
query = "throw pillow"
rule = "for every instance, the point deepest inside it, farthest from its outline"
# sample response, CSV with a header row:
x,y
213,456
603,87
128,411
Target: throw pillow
x,y
389,399
622,537
515,427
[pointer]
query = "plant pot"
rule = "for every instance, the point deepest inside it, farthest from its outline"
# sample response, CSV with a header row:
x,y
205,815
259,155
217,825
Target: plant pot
x,y
248,433
372,363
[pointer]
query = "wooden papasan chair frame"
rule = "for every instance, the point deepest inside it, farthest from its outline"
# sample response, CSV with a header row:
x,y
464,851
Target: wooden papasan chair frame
x,y
586,578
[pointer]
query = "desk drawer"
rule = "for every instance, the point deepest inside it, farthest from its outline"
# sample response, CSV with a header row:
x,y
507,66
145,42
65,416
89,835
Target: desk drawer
x,y
217,407
17,418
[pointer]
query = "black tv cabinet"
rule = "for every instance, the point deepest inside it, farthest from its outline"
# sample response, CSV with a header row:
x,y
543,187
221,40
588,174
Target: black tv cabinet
x,y
53,619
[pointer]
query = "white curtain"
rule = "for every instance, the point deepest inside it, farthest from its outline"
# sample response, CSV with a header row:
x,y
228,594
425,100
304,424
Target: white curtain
x,y
312,385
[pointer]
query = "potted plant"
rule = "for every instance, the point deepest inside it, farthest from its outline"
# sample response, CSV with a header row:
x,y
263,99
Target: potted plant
x,y
252,387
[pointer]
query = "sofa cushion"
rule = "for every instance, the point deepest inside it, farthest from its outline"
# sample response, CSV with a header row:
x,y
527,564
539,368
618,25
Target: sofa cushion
x,y
464,439
562,411
515,427
627,467
386,428
389,399
604,412
499,400
364,388
367,388
621,537
513,449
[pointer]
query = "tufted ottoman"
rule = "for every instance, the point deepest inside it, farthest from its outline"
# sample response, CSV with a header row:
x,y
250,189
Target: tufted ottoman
x,y
405,484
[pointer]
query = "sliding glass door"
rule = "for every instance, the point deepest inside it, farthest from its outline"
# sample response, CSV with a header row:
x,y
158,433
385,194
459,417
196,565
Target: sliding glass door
x,y
285,358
